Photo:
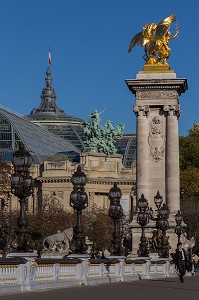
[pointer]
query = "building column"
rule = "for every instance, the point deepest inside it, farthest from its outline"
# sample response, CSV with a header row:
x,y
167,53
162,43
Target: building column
x,y
172,168
141,150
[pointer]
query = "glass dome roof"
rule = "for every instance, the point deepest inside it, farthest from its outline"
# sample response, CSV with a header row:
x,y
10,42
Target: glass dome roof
x,y
38,141
70,128
127,147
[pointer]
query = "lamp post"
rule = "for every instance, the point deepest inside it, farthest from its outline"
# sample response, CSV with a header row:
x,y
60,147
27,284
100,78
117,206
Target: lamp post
x,y
22,185
116,212
158,199
155,241
163,225
178,228
78,201
143,220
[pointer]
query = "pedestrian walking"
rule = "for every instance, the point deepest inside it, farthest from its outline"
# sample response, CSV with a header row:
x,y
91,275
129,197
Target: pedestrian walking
x,y
182,261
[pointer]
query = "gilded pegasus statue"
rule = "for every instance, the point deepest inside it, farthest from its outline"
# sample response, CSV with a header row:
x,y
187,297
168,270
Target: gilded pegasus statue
x,y
155,39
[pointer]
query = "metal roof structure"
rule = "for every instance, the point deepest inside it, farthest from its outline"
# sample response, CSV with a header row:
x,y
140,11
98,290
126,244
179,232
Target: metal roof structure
x,y
48,130
38,141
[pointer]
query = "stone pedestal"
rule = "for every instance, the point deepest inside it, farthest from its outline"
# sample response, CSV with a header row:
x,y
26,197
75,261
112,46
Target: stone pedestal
x,y
26,255
157,111
54,255
119,257
80,256
136,234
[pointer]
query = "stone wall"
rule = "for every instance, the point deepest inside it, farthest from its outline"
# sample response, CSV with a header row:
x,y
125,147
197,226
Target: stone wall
x,y
101,171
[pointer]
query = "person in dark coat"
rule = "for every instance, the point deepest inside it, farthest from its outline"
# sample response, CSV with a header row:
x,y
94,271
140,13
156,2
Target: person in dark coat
x,y
181,258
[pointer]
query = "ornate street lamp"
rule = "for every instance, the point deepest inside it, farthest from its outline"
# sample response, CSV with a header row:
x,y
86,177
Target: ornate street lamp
x,y
163,225
143,219
159,241
78,201
22,185
116,212
178,228
158,199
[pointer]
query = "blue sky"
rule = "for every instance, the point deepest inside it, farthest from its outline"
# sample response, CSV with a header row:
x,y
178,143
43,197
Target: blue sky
x,y
89,41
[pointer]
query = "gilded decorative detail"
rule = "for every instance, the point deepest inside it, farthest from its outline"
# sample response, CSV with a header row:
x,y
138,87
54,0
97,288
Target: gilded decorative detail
x,y
156,139
155,39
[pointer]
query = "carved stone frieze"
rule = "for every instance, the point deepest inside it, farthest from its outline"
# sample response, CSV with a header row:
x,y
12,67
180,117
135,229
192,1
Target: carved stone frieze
x,y
172,110
156,138
141,110
158,94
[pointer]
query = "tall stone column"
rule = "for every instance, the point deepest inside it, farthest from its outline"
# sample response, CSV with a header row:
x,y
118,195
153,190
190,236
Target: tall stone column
x,y
141,150
157,162
157,135
172,168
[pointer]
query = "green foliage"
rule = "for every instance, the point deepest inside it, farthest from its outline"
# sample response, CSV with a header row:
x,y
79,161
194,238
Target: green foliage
x,y
189,164
189,152
189,181
189,149
190,211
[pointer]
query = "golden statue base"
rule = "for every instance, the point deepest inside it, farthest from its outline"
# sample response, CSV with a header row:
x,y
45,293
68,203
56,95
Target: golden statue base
x,y
156,68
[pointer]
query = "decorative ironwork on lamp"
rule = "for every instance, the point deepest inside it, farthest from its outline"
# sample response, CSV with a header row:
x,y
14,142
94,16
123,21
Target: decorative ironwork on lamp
x,y
159,241
158,199
116,212
178,228
78,201
143,219
163,225
22,185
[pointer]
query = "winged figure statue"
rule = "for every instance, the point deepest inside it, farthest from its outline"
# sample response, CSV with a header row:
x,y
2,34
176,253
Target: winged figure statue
x,y
155,39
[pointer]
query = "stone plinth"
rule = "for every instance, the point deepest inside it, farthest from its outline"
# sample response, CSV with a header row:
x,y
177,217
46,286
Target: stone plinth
x,y
157,110
26,255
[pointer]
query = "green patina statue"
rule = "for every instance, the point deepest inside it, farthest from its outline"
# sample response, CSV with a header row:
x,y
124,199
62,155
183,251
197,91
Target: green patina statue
x,y
100,139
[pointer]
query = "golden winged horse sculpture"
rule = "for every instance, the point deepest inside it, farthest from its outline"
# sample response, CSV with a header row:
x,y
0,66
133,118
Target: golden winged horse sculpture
x,y
155,39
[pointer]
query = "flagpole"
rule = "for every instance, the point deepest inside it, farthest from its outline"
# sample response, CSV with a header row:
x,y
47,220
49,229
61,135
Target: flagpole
x,y
49,57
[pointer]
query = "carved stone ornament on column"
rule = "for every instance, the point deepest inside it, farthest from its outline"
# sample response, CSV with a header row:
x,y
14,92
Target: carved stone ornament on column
x,y
163,94
141,110
156,139
175,109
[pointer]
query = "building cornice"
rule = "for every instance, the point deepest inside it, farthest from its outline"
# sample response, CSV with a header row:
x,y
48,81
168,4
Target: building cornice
x,y
178,84
102,181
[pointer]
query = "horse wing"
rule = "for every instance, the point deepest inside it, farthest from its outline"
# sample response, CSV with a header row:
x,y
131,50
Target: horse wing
x,y
163,27
138,39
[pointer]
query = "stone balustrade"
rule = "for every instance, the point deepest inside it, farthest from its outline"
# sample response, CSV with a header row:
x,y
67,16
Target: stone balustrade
x,y
20,275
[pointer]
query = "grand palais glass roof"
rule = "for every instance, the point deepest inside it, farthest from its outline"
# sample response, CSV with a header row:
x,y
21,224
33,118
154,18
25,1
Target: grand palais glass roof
x,y
38,141
48,130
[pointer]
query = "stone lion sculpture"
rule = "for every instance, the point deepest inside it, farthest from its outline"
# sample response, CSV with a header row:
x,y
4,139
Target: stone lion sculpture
x,y
59,242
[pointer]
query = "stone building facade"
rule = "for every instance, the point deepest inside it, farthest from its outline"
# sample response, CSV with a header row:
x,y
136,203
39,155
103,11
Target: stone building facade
x,y
101,171
55,140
